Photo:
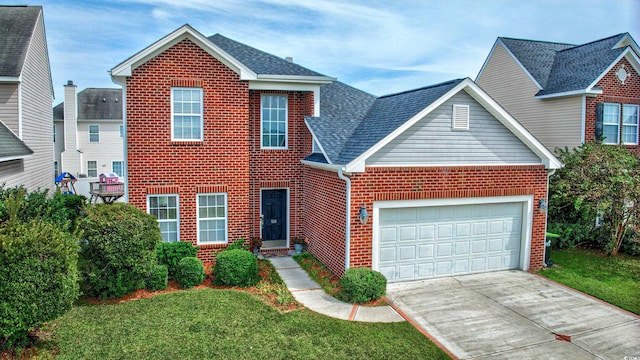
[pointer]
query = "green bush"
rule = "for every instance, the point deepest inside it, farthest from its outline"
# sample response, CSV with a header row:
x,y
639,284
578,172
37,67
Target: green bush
x,y
38,277
157,278
361,285
118,249
189,272
236,268
241,244
171,253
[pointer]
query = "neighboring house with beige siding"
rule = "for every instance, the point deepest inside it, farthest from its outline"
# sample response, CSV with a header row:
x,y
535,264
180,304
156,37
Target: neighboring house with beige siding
x,y
88,133
567,94
26,96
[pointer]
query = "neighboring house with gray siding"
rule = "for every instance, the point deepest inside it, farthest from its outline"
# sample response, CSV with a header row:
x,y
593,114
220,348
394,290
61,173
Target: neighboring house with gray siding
x,y
567,94
26,96
89,133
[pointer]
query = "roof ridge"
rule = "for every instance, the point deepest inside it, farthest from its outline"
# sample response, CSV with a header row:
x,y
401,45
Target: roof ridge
x,y
594,41
448,82
538,41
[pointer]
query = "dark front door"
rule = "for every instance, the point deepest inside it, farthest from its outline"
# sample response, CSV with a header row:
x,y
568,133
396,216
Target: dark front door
x,y
274,212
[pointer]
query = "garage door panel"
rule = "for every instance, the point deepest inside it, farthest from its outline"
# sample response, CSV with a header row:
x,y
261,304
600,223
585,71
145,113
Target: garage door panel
x,y
422,242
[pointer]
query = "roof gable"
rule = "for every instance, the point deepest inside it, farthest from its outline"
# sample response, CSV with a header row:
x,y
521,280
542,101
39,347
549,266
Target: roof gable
x,y
11,147
17,24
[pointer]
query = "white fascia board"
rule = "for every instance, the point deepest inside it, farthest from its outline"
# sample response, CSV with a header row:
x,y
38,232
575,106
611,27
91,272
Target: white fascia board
x,y
126,68
16,157
10,79
322,166
587,92
297,79
548,159
536,83
314,138
290,86
453,165
358,164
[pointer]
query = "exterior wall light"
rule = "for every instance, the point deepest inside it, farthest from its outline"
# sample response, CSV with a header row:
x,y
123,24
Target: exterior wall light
x,y
364,215
542,205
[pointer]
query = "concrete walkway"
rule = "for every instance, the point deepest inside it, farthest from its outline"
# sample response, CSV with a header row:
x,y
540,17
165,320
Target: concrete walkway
x,y
310,294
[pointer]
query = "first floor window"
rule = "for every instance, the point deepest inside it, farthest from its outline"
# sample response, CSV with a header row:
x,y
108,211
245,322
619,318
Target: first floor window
x,y
165,209
94,133
611,123
186,114
630,124
116,167
212,218
92,168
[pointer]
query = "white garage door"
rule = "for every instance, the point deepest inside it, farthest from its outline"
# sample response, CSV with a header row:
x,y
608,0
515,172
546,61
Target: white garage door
x,y
424,242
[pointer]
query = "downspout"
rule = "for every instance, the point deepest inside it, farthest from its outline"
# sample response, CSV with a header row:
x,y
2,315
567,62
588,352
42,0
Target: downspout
x,y
347,230
546,219
125,157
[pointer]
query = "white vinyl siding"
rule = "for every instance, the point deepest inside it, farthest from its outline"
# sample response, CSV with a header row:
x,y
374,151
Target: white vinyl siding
x,y
630,124
212,218
274,121
611,123
166,209
92,168
94,133
186,114
117,167
9,106
431,141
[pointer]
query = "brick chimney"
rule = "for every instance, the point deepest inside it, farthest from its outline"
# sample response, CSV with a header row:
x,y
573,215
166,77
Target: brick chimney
x,y
71,157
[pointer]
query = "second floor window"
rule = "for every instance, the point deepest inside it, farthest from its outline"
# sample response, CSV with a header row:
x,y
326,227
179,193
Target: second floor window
x,y
630,124
186,114
94,133
274,121
116,167
619,123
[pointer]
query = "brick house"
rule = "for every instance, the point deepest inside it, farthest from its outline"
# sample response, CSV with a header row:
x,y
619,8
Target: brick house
x,y
567,94
224,141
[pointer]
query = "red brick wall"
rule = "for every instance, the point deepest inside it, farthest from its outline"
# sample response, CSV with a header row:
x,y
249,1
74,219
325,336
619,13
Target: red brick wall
x,y
324,222
615,92
379,184
158,165
280,168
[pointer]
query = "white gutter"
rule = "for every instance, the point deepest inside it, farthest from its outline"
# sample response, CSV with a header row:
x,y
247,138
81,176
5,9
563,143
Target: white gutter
x,y
347,230
125,157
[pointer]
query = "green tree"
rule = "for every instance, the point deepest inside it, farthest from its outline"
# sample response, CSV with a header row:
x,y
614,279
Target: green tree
x,y
604,181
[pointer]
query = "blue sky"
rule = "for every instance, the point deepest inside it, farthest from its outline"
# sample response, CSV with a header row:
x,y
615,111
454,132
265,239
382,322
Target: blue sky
x,y
378,46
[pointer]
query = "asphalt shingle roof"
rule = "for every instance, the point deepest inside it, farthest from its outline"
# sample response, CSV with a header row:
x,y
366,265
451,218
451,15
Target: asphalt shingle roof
x,y
259,61
11,145
344,137
561,67
16,28
95,104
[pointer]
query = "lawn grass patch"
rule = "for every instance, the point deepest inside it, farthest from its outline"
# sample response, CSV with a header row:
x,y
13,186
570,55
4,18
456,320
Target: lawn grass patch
x,y
614,279
227,324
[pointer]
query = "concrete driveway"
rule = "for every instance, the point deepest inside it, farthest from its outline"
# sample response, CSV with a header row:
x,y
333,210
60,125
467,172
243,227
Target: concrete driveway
x,y
516,315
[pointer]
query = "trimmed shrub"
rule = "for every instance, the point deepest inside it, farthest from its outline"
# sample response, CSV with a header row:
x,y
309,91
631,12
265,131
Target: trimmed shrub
x,y
157,279
361,285
189,272
118,249
238,244
171,253
236,268
38,277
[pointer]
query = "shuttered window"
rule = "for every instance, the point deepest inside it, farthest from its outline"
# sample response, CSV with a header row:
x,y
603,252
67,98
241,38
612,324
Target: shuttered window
x,y
460,117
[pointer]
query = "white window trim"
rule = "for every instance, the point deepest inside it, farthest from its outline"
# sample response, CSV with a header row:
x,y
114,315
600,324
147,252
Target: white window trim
x,y
94,161
177,220
286,123
637,125
226,219
201,114
617,140
454,124
98,133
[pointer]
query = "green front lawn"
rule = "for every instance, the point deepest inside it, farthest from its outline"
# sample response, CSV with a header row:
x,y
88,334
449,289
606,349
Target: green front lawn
x,y
227,324
615,280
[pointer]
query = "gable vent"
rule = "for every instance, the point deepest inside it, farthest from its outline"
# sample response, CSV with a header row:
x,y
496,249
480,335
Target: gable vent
x,y
460,117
